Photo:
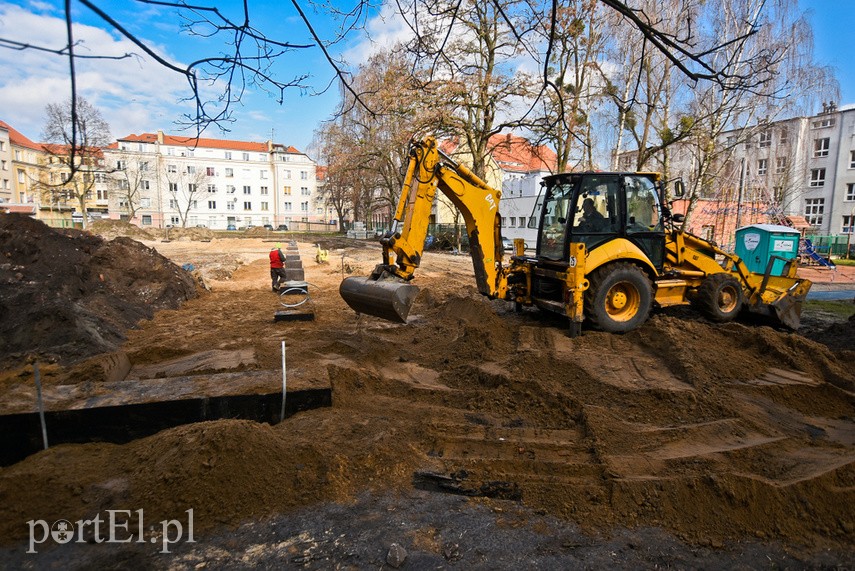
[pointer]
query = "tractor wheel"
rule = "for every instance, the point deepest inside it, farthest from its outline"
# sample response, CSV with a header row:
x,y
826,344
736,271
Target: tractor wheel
x,y
619,298
719,297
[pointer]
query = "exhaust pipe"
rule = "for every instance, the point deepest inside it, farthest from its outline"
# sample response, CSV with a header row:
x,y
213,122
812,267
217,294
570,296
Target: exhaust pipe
x,y
389,299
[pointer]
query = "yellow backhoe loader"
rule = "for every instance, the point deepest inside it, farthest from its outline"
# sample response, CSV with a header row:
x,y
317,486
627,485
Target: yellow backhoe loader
x,y
608,250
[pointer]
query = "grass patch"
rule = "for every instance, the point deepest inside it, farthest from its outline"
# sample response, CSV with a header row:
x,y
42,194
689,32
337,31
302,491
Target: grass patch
x,y
841,308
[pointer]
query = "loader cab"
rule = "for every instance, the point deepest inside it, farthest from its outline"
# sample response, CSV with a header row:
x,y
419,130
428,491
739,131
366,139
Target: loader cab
x,y
595,208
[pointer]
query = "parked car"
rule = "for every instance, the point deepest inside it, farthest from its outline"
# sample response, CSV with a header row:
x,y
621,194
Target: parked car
x,y
231,227
508,244
282,228
268,226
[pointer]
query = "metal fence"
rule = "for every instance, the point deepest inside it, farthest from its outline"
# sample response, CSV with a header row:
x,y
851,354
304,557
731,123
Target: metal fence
x,y
832,244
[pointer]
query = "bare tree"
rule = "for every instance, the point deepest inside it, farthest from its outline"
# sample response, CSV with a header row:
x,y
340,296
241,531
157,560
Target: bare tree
x,y
573,82
185,188
130,177
74,133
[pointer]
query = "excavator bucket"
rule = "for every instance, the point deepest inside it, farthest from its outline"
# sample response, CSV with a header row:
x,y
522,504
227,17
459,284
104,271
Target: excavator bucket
x,y
388,299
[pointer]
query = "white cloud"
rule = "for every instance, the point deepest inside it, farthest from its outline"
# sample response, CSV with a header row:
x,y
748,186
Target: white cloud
x,y
134,93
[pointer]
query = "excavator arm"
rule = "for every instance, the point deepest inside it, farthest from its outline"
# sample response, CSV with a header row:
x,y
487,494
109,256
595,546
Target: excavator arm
x,y
387,293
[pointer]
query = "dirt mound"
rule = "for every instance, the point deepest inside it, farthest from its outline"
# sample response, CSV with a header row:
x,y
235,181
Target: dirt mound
x,y
110,229
69,294
187,234
712,432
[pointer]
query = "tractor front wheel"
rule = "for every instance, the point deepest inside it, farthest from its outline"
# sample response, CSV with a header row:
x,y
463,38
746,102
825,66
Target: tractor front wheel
x,y
719,297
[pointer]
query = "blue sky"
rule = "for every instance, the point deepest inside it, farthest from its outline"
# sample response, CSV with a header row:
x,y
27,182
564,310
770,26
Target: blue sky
x,y
137,95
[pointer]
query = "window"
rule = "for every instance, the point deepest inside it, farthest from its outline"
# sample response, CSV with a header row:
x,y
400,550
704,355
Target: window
x,y
247,205
287,175
263,191
823,123
145,203
210,171
262,174
2,145
171,168
731,140
230,205
144,166
246,156
264,206
304,191
513,221
850,192
230,172
212,188
145,185
247,189
814,208
820,147
191,169
21,176
173,187
762,165
102,194
852,159
146,219
785,136
304,175
193,204
191,188
848,223
228,156
4,165
175,221
780,165
121,165
304,206
287,190
765,139
522,222
778,193
287,207
262,157
173,203
230,188
212,205
817,177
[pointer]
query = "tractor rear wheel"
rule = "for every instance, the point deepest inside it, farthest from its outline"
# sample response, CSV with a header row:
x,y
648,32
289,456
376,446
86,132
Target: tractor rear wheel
x,y
719,297
619,298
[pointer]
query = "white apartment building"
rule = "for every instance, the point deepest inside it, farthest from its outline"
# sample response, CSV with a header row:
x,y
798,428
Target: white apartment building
x,y
172,180
802,166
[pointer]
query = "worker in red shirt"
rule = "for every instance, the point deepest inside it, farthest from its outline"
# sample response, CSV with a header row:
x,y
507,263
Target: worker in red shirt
x,y
277,266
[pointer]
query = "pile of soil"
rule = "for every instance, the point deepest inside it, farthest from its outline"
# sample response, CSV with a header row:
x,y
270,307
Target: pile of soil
x,y
67,294
714,433
110,229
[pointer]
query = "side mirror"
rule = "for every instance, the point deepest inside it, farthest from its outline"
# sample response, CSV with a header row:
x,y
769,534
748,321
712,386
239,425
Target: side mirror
x,y
679,189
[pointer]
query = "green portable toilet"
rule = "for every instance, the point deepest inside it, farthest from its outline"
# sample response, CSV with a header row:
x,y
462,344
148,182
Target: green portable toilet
x,y
757,243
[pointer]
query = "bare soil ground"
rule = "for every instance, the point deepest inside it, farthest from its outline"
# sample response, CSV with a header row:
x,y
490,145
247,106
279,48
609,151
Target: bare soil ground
x,y
683,443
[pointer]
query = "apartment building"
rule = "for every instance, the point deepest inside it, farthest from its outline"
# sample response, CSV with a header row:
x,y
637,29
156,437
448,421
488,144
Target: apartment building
x,y
796,167
161,180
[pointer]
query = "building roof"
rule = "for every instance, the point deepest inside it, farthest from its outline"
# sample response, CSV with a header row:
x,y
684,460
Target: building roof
x,y
517,154
16,138
194,142
513,154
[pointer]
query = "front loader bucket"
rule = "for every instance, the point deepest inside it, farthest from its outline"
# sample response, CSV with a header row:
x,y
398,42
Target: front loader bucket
x,y
386,299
